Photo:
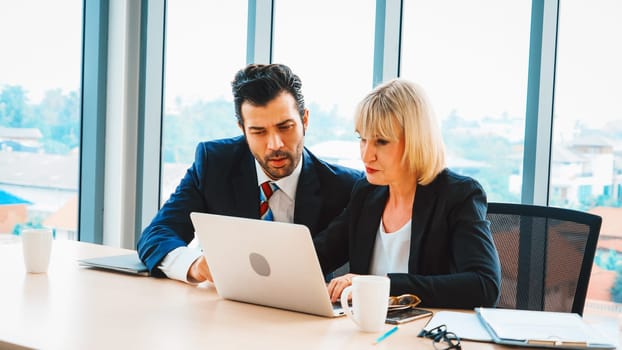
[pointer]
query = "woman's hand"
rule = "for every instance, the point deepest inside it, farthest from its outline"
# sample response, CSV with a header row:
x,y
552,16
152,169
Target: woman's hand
x,y
199,271
338,284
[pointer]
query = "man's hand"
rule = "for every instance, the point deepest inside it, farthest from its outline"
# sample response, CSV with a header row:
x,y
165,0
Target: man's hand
x,y
199,271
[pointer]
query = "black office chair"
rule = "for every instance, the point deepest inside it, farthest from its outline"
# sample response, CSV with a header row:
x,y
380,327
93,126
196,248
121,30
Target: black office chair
x,y
546,255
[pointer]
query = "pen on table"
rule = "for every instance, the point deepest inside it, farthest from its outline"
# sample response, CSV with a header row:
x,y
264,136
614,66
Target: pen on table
x,y
386,335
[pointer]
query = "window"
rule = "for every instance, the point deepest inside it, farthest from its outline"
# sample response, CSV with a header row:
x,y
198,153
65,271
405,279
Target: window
x,y
205,47
39,115
587,130
329,45
472,58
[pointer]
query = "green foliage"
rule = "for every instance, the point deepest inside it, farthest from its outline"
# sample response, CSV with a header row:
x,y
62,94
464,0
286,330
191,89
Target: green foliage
x,y
56,117
194,123
611,260
462,138
608,259
62,121
604,200
35,222
210,120
616,289
14,109
328,125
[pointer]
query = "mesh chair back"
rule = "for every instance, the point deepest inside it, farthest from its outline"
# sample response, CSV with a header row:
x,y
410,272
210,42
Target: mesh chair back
x,y
546,255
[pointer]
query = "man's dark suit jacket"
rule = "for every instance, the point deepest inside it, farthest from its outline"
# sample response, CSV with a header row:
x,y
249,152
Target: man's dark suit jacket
x,y
453,261
223,181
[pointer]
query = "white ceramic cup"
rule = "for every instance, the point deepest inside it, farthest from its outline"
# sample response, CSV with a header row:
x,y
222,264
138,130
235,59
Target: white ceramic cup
x,y
370,300
37,246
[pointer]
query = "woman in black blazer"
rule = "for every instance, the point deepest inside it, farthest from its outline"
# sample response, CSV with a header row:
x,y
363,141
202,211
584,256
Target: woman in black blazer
x,y
411,218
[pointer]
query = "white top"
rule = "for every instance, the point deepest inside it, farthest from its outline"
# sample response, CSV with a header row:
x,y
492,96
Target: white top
x,y
391,250
176,263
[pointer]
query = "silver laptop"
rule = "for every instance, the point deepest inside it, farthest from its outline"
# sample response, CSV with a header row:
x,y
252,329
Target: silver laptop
x,y
264,262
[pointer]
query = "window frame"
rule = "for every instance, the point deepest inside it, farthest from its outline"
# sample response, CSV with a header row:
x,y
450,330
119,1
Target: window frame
x,y
387,41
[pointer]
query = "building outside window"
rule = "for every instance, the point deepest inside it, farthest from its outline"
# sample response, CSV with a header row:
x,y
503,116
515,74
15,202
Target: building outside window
x,y
40,69
586,161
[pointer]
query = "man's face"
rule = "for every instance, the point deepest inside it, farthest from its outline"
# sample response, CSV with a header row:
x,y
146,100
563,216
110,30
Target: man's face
x,y
275,134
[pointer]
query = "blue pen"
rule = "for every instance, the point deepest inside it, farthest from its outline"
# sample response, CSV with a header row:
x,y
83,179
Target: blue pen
x,y
386,335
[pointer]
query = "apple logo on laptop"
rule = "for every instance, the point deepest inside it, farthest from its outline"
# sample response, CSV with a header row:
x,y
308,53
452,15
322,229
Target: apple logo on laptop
x,y
259,264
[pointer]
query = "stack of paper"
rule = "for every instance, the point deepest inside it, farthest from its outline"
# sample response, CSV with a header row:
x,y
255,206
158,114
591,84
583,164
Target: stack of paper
x,y
522,328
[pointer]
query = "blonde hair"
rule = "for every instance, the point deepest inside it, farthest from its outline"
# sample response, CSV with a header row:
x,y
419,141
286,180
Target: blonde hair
x,y
400,108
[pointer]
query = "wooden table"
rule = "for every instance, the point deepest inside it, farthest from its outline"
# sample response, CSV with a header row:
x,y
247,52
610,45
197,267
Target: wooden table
x,y
72,307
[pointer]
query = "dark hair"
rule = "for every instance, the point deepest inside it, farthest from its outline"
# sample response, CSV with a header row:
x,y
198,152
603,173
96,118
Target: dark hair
x,y
259,84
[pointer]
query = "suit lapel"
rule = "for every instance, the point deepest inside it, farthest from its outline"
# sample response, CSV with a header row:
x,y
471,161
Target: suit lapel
x,y
371,213
423,208
308,204
367,228
245,189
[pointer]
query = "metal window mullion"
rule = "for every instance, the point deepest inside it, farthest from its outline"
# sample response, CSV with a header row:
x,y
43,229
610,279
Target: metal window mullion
x,y
150,112
259,32
387,39
540,99
93,114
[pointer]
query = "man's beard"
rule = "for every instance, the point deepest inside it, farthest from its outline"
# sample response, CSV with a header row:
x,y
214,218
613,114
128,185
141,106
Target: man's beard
x,y
286,170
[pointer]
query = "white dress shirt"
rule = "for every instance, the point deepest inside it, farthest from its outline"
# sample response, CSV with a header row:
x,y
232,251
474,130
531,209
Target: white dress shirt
x,y
391,251
176,263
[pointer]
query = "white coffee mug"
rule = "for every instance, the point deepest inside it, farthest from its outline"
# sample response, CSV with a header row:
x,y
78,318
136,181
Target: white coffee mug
x,y
370,300
37,246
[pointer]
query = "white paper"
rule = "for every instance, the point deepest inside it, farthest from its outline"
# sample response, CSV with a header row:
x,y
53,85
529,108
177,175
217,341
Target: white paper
x,y
524,325
464,325
520,325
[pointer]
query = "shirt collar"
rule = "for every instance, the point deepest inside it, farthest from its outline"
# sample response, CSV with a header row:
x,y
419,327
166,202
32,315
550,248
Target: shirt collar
x,y
286,184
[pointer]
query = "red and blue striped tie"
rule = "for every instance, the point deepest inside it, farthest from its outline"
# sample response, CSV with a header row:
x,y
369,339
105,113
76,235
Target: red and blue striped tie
x,y
265,192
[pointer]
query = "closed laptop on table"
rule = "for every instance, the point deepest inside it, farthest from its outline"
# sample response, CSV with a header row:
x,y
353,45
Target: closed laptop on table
x,y
264,262
127,263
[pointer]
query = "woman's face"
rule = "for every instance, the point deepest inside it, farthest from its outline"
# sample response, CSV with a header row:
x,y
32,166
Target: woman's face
x,y
383,160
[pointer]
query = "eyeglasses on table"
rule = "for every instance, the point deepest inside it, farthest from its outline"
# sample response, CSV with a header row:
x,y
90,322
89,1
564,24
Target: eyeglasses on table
x,y
441,338
403,301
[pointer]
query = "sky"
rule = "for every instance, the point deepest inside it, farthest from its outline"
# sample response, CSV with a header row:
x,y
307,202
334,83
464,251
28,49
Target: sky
x,y
589,54
474,64
40,43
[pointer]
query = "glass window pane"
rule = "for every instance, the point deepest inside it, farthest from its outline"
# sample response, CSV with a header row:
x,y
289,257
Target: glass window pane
x,y
40,69
471,57
329,44
205,47
586,164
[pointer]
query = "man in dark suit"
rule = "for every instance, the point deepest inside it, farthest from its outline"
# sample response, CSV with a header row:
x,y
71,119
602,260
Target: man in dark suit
x,y
267,164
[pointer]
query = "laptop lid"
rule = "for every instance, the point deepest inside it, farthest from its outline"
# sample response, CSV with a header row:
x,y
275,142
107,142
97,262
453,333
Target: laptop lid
x,y
263,262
